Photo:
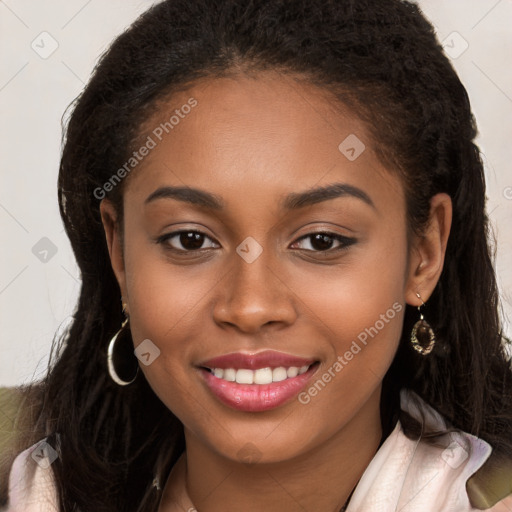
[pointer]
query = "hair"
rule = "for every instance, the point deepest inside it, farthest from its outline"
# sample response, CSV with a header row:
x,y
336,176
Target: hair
x,y
380,58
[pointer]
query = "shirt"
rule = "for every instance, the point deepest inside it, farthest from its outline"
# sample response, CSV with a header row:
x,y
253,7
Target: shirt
x,y
404,475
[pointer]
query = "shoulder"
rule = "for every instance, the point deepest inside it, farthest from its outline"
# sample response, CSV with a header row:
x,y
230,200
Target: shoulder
x,y
421,475
466,465
31,482
451,473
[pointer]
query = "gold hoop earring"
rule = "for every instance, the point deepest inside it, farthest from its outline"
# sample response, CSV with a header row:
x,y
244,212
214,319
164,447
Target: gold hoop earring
x,y
423,338
114,375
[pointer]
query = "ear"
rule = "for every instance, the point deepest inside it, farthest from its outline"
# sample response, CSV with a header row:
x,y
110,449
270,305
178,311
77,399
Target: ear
x,y
112,228
428,251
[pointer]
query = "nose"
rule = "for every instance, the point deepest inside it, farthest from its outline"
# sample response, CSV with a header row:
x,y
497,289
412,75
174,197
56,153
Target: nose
x,y
254,296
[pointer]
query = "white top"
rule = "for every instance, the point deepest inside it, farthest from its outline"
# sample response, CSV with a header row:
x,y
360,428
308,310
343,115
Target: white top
x,y
404,475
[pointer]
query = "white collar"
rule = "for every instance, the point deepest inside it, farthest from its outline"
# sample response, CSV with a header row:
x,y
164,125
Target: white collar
x,y
413,476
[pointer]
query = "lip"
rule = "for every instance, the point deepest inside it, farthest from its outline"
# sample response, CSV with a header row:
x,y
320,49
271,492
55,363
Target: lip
x,y
256,397
265,359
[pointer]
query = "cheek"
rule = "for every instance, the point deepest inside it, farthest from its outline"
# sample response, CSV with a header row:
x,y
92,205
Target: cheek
x,y
360,309
163,296
169,307
351,297
164,304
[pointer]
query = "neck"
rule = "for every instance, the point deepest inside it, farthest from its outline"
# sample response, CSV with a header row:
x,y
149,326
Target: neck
x,y
321,479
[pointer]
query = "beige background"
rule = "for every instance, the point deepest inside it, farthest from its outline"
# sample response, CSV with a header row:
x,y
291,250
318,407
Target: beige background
x,y
36,298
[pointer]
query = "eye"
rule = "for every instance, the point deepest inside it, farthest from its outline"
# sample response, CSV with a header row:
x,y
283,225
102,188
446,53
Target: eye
x,y
192,241
323,242
185,241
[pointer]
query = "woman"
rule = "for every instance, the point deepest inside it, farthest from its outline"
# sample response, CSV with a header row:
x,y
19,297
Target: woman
x,y
288,301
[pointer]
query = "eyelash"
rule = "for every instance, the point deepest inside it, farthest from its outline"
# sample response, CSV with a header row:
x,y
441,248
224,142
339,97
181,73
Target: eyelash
x,y
343,240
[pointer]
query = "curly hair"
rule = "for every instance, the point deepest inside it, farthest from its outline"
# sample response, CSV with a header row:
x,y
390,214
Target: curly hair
x,y
380,58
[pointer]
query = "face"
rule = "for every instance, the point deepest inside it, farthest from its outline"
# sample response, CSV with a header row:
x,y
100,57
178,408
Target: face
x,y
255,274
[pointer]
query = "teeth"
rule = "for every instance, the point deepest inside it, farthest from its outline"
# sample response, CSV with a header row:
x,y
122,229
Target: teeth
x,y
244,376
229,375
261,376
303,369
279,374
293,371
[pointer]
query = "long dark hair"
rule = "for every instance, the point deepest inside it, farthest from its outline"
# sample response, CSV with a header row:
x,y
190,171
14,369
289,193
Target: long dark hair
x,y
379,57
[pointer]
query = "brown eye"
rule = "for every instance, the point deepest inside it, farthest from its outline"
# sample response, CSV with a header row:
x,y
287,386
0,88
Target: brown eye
x,y
185,241
323,242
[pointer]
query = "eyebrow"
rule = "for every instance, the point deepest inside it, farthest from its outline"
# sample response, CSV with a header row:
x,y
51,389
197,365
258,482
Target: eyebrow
x,y
293,201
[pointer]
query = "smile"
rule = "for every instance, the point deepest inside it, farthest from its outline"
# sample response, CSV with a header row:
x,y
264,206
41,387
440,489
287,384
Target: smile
x,y
261,376
256,382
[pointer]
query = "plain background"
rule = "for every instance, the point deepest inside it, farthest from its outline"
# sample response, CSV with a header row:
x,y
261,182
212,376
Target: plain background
x,y
38,289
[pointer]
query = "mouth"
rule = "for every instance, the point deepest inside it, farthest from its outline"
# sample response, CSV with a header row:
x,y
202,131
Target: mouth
x,y
258,382
258,377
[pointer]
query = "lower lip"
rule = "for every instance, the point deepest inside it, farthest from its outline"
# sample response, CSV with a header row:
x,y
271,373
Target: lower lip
x,y
256,397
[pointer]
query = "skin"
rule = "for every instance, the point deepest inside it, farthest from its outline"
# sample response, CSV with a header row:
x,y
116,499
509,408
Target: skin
x,y
251,141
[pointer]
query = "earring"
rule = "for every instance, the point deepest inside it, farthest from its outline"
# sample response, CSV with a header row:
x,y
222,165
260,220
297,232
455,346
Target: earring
x,y
423,338
156,483
125,351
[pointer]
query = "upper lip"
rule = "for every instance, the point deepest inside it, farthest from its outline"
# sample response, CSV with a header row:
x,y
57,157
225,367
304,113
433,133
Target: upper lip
x,y
265,359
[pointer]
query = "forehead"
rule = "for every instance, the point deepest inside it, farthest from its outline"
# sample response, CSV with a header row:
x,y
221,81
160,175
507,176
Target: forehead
x,y
256,135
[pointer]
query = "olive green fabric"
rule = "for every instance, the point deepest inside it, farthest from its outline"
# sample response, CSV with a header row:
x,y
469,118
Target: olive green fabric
x,y
492,483
10,402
